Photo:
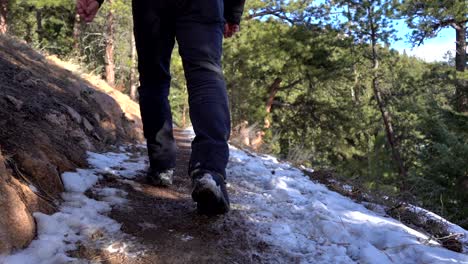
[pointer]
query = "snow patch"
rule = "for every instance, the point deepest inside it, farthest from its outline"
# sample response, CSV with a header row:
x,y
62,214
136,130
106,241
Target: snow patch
x,y
81,219
186,238
79,181
452,228
112,195
306,221
118,164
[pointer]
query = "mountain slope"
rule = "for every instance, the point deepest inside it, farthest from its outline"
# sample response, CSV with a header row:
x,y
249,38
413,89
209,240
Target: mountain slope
x,y
279,216
49,118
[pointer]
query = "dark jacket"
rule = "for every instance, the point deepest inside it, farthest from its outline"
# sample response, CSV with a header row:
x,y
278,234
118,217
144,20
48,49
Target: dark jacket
x,y
233,10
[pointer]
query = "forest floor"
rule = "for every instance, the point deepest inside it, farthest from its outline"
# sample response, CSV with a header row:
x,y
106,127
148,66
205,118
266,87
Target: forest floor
x,y
110,215
166,225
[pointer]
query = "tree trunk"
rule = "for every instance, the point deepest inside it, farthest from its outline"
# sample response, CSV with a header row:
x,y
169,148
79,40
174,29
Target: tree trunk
x,y
272,91
109,57
77,35
460,57
461,95
184,114
355,89
3,16
386,117
133,74
389,130
29,32
39,30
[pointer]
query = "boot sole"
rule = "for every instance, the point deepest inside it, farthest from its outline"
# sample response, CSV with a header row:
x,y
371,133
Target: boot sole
x,y
208,201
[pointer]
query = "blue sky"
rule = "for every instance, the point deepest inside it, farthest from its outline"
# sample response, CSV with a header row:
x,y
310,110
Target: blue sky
x,y
431,50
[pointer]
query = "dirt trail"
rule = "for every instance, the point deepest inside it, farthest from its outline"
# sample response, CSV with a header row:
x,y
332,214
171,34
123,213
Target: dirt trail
x,y
165,223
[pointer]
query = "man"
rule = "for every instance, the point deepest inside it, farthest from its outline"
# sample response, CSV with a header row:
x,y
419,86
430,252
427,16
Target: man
x,y
198,26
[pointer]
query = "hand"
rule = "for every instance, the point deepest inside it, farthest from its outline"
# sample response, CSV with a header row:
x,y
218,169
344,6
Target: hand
x,y
230,29
87,9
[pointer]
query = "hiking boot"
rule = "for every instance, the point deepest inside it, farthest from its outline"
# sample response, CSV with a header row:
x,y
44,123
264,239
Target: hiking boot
x,y
209,192
160,178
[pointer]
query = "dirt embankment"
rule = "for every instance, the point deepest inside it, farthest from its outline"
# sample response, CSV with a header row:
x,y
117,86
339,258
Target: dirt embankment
x,y
49,118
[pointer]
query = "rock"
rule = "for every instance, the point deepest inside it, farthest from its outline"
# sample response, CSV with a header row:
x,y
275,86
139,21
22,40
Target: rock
x,y
82,139
17,103
57,119
31,82
97,117
22,76
32,201
110,129
39,168
17,227
47,135
3,171
74,114
87,125
96,136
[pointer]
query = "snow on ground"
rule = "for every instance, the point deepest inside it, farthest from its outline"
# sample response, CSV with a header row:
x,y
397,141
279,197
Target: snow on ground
x,y
306,221
301,220
452,228
309,223
80,218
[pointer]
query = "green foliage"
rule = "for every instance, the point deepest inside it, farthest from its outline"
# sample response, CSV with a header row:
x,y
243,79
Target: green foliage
x,y
178,94
47,24
330,115
93,41
324,112
428,17
368,19
442,163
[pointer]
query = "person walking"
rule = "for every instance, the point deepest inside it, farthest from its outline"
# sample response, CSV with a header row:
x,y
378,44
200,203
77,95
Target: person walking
x,y
199,27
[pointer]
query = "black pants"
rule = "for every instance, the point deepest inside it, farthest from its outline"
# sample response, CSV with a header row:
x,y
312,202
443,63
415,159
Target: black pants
x,y
198,27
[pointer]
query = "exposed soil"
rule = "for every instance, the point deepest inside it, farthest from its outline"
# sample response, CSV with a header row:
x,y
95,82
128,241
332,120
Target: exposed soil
x,y
49,118
164,221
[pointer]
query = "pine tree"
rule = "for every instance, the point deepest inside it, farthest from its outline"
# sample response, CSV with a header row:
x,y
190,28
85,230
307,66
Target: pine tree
x,y
3,16
109,55
133,70
369,22
427,18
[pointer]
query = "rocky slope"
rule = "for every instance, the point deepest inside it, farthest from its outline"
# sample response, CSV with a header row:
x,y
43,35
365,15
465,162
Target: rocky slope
x,y
49,118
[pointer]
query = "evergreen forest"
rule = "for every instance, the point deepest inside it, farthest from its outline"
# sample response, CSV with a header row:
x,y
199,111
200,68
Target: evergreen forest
x,y
316,83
